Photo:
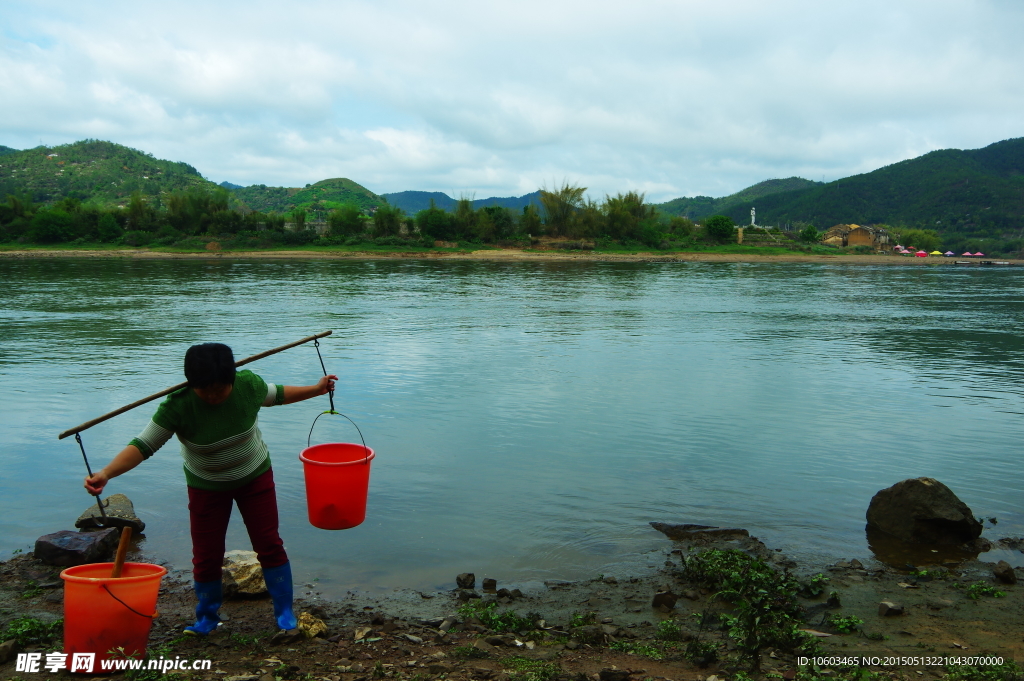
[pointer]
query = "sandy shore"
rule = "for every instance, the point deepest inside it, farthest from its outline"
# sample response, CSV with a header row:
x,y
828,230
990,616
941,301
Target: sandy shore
x,y
503,255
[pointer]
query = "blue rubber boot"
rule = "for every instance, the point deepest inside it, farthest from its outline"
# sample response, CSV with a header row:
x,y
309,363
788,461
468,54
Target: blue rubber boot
x,y
279,584
210,597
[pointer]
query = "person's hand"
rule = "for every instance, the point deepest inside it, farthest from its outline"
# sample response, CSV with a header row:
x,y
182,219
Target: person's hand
x,y
325,384
95,483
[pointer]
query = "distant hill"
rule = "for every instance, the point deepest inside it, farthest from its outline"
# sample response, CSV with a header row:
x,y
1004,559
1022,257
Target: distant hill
x,y
324,195
413,202
100,172
702,206
230,185
6,150
959,193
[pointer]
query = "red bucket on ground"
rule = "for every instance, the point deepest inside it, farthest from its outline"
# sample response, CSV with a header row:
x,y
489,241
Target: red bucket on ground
x,y
109,616
337,480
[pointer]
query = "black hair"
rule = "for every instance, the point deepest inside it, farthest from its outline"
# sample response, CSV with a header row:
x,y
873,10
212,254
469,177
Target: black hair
x,y
208,364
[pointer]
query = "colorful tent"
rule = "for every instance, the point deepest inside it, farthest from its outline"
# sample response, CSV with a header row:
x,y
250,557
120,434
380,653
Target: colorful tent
x,y
949,254
967,253
979,254
935,253
921,254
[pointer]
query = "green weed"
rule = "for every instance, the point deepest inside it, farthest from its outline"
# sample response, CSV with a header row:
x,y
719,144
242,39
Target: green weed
x,y
845,625
468,653
979,589
815,586
32,591
669,630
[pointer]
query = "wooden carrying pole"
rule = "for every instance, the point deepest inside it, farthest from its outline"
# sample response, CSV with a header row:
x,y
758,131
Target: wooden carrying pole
x,y
128,407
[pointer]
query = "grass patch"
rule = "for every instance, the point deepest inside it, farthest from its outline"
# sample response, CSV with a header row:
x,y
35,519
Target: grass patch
x,y
29,631
639,649
669,630
507,620
468,653
845,625
525,669
765,612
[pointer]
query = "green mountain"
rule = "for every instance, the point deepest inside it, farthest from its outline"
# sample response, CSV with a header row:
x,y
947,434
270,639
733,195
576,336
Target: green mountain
x,y
92,171
7,150
413,202
975,193
702,206
324,195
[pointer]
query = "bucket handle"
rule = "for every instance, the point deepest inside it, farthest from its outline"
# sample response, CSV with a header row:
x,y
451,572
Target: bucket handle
x,y
361,438
152,617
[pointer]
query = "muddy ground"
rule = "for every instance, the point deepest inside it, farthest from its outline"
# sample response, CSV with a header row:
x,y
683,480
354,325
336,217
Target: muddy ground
x,y
400,634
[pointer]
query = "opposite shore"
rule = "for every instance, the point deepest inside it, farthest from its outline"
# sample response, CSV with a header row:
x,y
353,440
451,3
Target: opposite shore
x,y
504,255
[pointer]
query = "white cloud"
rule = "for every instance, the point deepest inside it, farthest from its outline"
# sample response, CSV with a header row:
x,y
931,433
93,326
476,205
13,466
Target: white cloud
x,y
496,98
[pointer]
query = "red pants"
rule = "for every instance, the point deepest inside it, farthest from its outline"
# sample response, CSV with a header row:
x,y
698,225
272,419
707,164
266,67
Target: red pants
x,y
209,513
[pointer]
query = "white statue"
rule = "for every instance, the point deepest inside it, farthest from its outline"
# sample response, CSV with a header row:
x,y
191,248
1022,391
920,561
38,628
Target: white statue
x,y
752,222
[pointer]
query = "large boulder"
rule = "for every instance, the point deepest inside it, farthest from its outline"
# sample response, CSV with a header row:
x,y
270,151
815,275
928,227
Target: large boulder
x,y
242,574
76,548
120,513
923,511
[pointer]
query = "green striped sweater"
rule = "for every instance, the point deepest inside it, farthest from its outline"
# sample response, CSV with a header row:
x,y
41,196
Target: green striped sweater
x,y
220,443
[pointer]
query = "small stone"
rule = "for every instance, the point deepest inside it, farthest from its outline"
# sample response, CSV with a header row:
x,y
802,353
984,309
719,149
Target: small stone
x,y
286,636
843,564
504,593
311,626
939,603
495,640
242,574
609,580
490,586
120,513
8,649
665,599
609,629
856,565
447,624
439,668
691,595
361,633
467,580
412,638
467,594
889,609
68,548
516,593
1004,573
572,645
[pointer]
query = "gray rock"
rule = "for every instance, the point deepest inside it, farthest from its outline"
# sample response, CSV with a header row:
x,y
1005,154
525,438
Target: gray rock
x,y
923,511
120,513
8,649
889,609
1004,573
490,585
77,548
484,646
467,580
467,594
690,531
665,599
242,574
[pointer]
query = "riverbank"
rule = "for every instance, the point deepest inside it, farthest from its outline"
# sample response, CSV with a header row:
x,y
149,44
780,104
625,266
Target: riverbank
x,y
501,255
651,626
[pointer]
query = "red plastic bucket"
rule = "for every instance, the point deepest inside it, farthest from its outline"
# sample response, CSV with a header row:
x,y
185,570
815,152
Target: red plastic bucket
x,y
109,616
337,480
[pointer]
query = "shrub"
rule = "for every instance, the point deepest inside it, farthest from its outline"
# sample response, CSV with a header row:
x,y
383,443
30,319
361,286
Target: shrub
x,y
720,228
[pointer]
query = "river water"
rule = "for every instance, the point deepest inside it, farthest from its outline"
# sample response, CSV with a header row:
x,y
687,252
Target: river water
x,y
530,419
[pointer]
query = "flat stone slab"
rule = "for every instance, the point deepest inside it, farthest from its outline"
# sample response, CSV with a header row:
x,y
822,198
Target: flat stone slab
x,y
68,548
120,513
690,531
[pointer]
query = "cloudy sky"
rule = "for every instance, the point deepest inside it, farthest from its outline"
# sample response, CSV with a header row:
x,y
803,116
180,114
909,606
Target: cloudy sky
x,y
499,98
